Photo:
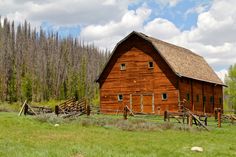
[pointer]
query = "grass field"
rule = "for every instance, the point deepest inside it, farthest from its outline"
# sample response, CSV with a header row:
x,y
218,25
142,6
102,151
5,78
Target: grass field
x,y
88,137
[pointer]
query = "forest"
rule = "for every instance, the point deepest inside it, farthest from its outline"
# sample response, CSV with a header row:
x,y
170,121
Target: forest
x,y
39,66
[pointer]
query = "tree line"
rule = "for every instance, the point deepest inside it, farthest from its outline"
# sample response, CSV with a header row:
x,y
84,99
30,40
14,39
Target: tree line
x,y
230,90
39,65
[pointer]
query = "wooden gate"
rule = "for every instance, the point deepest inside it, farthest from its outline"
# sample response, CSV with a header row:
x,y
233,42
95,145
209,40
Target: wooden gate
x,y
142,103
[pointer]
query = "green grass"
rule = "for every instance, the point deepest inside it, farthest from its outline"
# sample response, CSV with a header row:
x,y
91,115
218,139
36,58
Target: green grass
x,y
30,137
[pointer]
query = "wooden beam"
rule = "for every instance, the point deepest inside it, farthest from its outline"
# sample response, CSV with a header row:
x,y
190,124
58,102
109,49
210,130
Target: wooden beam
x,y
141,103
130,102
32,109
22,108
153,105
191,81
213,91
219,118
203,103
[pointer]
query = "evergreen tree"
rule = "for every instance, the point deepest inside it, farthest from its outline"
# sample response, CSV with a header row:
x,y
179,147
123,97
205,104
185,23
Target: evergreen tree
x,y
39,66
26,88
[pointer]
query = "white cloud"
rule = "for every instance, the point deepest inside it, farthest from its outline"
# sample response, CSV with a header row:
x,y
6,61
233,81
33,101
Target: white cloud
x,y
161,28
197,9
170,3
109,34
64,12
214,36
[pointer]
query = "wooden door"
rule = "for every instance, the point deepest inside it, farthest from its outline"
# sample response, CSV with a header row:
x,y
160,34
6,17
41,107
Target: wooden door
x,y
142,103
147,104
136,101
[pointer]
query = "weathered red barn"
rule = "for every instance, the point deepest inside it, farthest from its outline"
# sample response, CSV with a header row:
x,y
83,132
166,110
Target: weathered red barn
x,y
151,76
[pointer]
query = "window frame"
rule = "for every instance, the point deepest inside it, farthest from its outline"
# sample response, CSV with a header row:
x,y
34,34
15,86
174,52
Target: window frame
x,y
162,96
150,67
122,66
204,99
188,96
120,99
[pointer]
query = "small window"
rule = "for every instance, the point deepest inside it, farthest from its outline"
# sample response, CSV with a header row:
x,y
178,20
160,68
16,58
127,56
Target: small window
x,y
197,98
188,97
122,66
220,101
150,65
204,99
164,96
211,99
120,97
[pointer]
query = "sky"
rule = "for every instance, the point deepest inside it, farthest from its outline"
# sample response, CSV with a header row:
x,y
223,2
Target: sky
x,y
207,27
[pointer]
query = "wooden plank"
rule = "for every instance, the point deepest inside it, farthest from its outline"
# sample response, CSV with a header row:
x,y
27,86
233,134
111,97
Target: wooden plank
x,y
141,103
22,108
32,109
153,103
130,102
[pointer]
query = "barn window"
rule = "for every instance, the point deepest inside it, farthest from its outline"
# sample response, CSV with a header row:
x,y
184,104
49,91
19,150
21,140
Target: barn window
x,y
164,96
188,96
122,66
150,65
120,97
220,101
204,99
197,98
211,99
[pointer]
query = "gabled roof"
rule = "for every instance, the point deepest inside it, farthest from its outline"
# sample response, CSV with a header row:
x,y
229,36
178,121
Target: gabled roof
x,y
183,62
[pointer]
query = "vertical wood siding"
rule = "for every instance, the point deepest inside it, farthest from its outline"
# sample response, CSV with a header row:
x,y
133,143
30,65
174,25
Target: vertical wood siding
x,y
142,87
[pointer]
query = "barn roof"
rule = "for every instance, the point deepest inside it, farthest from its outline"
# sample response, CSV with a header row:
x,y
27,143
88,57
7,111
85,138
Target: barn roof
x,y
182,61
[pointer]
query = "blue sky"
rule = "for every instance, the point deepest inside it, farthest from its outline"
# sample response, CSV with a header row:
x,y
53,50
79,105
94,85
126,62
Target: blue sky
x,y
207,27
176,14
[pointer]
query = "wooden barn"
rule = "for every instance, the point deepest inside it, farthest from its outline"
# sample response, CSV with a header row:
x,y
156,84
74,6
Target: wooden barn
x,y
151,76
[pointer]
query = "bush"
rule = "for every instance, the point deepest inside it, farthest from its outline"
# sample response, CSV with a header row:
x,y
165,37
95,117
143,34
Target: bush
x,y
49,118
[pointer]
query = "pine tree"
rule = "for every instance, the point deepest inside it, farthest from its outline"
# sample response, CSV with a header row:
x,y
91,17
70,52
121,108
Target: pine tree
x,y
40,66
26,88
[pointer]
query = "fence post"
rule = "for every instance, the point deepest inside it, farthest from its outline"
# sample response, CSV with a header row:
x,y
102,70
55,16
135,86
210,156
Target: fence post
x,y
26,108
205,120
125,113
57,110
88,110
190,121
165,115
219,118
216,112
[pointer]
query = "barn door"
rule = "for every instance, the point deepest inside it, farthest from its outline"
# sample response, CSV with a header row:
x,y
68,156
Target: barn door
x,y
135,102
148,103
142,103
